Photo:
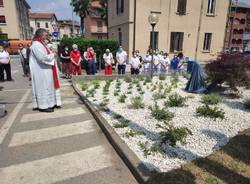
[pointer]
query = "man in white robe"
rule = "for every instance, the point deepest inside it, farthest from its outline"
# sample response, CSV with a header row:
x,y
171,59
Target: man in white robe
x,y
45,96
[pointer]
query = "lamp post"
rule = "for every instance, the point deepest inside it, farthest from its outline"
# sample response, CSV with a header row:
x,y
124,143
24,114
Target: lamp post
x,y
153,19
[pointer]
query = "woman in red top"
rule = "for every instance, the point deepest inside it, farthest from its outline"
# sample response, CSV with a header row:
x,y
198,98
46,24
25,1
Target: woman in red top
x,y
75,57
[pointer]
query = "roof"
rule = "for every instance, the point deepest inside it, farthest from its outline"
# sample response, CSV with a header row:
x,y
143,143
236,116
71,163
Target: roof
x,y
41,15
68,22
241,4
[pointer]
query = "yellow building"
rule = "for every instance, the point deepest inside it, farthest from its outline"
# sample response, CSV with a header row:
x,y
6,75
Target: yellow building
x,y
195,27
14,19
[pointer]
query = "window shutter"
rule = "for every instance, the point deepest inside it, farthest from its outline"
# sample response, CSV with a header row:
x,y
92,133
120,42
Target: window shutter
x,y
122,6
2,19
181,41
172,41
117,7
1,2
182,6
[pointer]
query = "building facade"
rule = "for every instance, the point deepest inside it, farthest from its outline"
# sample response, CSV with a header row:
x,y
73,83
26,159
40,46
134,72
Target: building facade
x,y
238,28
68,28
95,26
194,27
14,19
46,21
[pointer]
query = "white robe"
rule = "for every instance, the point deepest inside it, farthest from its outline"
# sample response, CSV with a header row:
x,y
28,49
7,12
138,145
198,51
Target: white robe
x,y
44,94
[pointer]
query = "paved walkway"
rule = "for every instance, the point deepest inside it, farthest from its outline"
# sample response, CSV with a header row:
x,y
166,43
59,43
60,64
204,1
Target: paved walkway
x,y
64,147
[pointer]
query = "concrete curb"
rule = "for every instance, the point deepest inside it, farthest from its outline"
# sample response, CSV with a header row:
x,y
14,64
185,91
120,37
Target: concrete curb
x,y
137,168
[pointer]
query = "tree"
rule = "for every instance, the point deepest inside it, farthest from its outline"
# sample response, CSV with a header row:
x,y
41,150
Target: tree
x,y
81,8
103,10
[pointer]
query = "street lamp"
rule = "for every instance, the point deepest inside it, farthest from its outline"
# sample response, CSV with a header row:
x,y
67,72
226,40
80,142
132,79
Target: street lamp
x,y
153,19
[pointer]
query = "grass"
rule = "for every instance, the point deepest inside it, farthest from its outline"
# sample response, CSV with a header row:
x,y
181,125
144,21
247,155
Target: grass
x,y
211,112
175,100
211,99
137,103
133,133
230,165
161,114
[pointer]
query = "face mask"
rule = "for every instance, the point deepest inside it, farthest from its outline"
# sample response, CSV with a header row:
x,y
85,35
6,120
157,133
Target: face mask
x,y
75,49
120,50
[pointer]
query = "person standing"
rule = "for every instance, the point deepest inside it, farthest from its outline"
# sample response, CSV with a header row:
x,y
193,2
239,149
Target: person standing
x,y
75,57
91,60
66,63
108,59
24,60
164,63
135,64
121,57
4,64
147,62
45,80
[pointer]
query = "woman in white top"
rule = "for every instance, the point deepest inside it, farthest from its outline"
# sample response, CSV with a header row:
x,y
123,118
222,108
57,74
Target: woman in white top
x,y
108,59
4,64
164,63
135,64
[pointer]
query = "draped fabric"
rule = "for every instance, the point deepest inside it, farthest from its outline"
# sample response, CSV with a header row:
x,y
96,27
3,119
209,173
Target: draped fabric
x,y
196,83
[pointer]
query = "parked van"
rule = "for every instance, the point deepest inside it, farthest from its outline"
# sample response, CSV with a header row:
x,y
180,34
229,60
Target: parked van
x,y
13,45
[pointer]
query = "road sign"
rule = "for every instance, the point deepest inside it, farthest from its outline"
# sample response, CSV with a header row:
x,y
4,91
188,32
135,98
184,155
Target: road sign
x,y
55,34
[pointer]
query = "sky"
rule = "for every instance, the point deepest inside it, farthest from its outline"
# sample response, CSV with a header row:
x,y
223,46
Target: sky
x,y
62,8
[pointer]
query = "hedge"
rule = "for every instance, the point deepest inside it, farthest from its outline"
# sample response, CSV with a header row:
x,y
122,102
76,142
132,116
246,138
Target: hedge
x,y
99,46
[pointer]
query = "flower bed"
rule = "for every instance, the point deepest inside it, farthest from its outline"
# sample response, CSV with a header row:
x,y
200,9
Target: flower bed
x,y
164,125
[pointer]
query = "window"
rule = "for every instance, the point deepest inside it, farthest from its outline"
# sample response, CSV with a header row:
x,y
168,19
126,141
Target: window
x,y
99,26
46,24
2,19
211,7
155,43
176,43
38,24
1,2
181,9
120,37
119,6
99,37
207,41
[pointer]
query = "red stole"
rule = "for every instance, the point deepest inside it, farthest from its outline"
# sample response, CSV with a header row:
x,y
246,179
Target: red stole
x,y
54,70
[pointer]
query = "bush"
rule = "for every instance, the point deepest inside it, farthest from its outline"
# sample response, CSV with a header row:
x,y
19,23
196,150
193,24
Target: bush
x,y
161,114
175,100
247,104
172,134
137,103
122,98
210,99
232,69
213,113
133,133
162,77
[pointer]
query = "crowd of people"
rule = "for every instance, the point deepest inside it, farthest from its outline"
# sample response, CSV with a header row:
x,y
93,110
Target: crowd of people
x,y
156,61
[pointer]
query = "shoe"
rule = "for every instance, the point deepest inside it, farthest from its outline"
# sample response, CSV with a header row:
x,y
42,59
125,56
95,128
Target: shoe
x,y
46,110
56,106
35,109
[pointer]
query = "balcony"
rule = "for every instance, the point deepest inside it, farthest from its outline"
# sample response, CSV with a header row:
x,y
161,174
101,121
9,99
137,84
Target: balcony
x,y
239,15
238,26
99,30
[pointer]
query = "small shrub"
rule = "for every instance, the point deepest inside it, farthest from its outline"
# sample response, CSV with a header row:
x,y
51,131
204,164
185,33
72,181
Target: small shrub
x,y
145,148
247,104
161,114
84,86
133,133
150,150
129,92
175,100
122,98
172,135
117,116
116,93
142,93
162,77
210,99
159,95
174,80
137,103
148,80
123,123
128,79
213,113
96,84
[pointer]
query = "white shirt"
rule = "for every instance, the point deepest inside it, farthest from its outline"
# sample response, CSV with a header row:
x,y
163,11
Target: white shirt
x,y
156,60
135,62
165,61
23,53
4,57
121,57
108,59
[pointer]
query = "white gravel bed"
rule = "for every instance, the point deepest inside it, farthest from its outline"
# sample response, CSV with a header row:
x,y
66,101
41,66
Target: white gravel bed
x,y
208,135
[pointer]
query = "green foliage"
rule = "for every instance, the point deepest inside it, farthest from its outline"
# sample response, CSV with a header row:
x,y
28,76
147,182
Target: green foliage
x,y
161,114
128,79
174,80
175,100
96,84
122,98
99,45
91,92
116,93
162,77
84,85
148,80
117,116
172,135
213,113
106,87
123,123
247,104
133,133
211,99
159,95
137,103
150,150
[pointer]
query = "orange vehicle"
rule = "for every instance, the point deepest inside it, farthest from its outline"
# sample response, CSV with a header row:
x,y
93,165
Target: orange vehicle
x,y
13,45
